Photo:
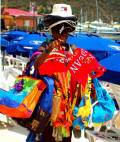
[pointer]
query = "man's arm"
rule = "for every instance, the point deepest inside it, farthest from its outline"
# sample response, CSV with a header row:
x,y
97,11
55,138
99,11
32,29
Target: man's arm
x,y
46,50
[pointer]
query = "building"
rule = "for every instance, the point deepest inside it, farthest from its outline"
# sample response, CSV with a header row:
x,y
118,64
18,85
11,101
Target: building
x,y
23,19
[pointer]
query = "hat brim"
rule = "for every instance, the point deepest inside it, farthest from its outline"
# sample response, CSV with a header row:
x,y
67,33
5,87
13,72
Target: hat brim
x,y
53,20
59,14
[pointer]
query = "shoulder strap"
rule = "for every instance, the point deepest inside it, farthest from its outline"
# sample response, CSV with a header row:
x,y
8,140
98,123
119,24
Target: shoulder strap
x,y
72,48
30,63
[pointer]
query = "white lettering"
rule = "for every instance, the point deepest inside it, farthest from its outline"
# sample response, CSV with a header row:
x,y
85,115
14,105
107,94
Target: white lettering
x,y
83,52
77,63
74,68
81,57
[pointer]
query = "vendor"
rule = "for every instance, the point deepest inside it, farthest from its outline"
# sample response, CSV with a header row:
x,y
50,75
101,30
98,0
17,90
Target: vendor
x,y
61,23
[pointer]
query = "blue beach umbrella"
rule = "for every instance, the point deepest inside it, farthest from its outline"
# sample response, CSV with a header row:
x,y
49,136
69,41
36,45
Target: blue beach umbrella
x,y
99,47
4,43
17,39
112,64
13,44
13,34
28,45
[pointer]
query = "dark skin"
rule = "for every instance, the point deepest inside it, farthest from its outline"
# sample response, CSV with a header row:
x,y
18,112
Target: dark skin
x,y
58,40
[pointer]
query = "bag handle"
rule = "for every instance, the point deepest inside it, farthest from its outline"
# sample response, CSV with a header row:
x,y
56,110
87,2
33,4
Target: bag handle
x,y
91,113
29,65
99,94
36,53
98,87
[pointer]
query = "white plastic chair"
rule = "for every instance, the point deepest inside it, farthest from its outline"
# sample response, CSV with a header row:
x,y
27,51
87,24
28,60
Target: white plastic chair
x,y
104,136
18,62
8,77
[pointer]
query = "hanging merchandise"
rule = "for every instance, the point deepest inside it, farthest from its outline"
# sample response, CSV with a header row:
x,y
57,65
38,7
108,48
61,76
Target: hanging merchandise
x,y
96,106
41,115
64,116
80,64
29,103
21,100
42,112
82,112
103,108
63,111
55,62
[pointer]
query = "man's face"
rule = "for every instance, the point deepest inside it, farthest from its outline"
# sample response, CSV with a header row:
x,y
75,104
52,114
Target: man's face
x,y
56,35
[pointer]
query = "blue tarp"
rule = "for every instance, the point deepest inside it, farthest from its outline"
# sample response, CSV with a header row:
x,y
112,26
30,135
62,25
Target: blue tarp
x,y
17,39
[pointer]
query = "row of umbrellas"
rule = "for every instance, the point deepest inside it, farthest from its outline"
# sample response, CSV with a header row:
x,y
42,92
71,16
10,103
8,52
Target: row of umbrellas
x,y
107,52
22,43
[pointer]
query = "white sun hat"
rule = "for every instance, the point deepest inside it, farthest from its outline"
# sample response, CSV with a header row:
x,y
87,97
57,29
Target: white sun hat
x,y
61,13
63,10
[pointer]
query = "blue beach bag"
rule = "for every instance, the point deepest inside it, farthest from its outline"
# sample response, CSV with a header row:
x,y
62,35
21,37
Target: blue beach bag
x,y
103,109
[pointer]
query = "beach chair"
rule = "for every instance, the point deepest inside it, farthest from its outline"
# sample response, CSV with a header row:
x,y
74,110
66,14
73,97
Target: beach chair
x,y
103,136
108,132
17,62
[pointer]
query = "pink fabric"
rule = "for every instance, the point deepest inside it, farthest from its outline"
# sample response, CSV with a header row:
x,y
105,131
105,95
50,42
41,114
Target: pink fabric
x,y
36,53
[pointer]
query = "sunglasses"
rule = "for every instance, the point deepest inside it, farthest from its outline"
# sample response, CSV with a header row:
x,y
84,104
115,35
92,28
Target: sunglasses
x,y
62,30
66,30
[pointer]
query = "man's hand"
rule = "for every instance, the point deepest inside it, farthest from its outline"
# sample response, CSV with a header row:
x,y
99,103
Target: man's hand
x,y
56,44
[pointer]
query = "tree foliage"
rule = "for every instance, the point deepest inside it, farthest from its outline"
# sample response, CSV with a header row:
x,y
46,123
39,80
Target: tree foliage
x,y
106,8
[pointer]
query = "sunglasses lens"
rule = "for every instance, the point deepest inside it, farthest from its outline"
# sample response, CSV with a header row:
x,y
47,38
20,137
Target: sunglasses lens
x,y
67,30
63,29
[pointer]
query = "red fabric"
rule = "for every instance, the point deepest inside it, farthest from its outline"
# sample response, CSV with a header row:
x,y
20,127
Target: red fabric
x,y
83,63
80,64
55,62
65,9
73,85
